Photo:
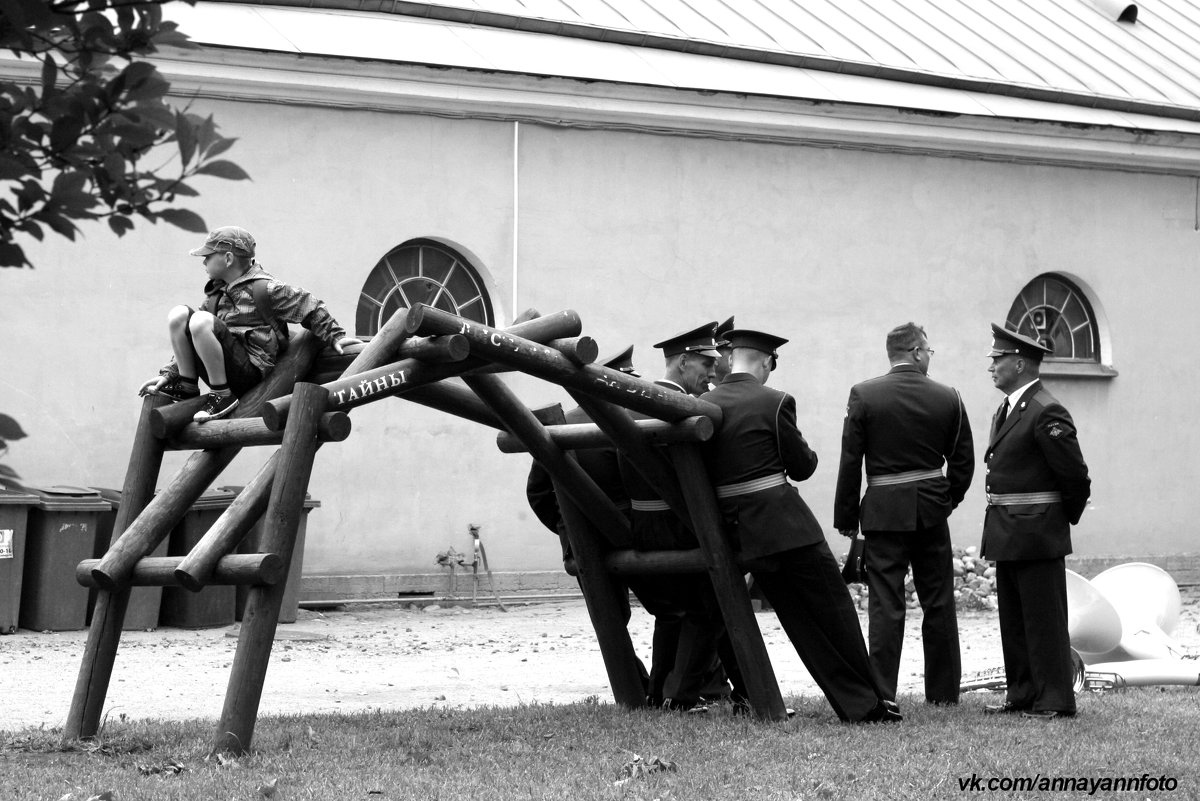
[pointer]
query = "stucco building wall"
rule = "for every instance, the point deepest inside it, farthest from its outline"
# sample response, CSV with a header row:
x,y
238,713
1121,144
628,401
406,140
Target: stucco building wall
x,y
644,235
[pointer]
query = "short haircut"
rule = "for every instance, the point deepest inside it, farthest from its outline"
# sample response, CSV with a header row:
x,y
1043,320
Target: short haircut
x,y
904,338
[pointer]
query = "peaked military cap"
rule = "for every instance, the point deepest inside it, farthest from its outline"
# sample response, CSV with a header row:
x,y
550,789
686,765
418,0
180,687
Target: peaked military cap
x,y
767,343
698,340
722,333
622,362
1006,342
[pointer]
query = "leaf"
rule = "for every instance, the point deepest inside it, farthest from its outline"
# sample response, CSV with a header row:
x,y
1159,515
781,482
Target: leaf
x,y
182,218
10,429
49,75
186,134
12,256
223,169
120,224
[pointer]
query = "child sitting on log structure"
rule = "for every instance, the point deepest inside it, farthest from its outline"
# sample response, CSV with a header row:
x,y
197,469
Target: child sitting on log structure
x,y
233,340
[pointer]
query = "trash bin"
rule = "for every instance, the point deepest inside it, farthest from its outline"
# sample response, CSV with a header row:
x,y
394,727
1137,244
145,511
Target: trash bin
x,y
144,602
14,519
61,533
291,595
214,605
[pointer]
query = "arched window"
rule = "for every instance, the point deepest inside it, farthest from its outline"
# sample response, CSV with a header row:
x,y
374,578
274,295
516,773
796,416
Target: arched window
x,y
422,271
1054,311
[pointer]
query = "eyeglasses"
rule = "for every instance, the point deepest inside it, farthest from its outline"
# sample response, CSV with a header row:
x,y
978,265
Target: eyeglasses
x,y
920,347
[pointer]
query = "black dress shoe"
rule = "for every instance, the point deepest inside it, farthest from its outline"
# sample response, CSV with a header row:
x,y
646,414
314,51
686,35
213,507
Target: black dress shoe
x,y
1046,714
883,712
1007,708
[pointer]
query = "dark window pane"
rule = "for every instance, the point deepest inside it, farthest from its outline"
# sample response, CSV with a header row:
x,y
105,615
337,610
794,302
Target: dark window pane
x,y
1055,312
421,271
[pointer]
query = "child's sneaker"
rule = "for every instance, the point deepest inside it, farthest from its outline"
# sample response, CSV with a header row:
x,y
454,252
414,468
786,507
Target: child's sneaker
x,y
215,407
176,390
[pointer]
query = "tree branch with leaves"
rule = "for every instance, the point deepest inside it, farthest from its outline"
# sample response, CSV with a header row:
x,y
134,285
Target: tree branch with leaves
x,y
90,138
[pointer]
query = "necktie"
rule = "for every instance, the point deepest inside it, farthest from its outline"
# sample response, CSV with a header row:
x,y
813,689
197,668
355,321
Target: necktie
x,y
1000,418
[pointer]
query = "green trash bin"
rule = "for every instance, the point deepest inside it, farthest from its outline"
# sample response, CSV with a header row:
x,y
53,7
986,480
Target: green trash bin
x,y
291,595
61,533
144,602
14,520
214,605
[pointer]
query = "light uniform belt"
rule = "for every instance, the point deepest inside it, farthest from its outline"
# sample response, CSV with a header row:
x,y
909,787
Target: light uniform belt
x,y
753,485
903,478
1022,498
650,506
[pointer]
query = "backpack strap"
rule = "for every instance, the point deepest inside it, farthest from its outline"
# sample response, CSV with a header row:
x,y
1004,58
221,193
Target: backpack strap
x,y
262,301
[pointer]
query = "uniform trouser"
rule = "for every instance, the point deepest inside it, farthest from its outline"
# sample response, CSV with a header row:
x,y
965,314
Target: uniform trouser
x,y
888,555
687,622
805,587
1032,596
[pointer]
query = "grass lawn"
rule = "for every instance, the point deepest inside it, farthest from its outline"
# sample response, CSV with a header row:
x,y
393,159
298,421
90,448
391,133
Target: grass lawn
x,y
600,751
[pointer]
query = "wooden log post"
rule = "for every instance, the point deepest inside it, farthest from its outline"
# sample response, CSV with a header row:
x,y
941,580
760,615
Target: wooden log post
x,y
261,615
577,492
369,382
108,613
510,348
729,584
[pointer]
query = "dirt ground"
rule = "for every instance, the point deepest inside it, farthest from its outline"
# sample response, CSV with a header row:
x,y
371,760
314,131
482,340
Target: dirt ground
x,y
363,657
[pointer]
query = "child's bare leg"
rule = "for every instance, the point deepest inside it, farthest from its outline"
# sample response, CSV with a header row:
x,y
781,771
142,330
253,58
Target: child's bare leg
x,y
185,357
208,348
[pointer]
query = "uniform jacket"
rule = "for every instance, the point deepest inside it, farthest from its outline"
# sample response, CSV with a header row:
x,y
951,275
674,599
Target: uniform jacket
x,y
758,437
599,463
899,422
654,530
1036,450
234,305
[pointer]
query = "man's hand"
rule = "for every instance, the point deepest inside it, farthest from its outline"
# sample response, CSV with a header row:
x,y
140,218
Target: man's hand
x,y
849,533
152,386
343,342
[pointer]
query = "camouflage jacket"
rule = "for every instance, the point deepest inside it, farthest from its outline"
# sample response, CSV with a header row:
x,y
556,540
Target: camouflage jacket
x,y
234,305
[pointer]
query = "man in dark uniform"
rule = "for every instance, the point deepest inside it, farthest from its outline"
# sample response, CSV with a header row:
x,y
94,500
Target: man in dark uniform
x,y
905,425
697,673
1037,487
749,459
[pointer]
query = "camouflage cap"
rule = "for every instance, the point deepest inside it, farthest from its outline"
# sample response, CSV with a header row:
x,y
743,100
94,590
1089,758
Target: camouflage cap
x,y
228,238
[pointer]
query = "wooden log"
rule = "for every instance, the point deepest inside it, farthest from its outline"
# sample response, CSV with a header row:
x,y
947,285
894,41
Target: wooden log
x,y
252,431
108,613
578,350
197,568
159,571
261,614
574,436
169,506
372,382
729,585
508,347
332,365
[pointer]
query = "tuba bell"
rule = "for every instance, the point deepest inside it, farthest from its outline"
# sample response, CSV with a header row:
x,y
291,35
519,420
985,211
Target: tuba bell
x,y
1147,601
